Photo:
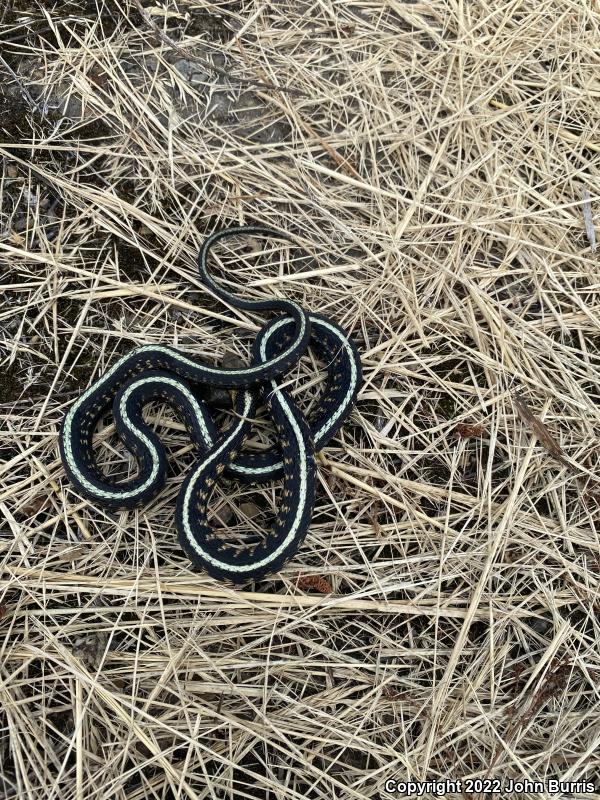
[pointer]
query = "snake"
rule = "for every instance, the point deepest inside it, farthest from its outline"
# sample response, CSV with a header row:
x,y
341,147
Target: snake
x,y
157,372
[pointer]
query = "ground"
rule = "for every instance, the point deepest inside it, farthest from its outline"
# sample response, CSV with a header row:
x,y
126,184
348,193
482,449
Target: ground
x,y
436,165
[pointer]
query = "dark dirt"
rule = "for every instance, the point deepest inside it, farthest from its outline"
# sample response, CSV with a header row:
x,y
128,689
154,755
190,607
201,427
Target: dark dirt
x,y
24,20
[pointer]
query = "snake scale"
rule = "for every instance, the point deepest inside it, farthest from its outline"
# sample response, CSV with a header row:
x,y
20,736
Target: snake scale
x,y
161,372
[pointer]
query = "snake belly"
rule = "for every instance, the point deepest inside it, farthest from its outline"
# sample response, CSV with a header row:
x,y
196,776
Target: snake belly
x,y
160,372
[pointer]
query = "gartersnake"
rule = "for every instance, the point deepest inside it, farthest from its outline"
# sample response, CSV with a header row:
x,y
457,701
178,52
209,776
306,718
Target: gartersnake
x,y
160,372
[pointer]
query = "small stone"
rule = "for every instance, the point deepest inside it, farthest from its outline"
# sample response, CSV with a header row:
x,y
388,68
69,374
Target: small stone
x,y
198,77
249,510
90,648
16,238
223,516
71,553
541,626
20,223
184,67
220,105
217,397
232,361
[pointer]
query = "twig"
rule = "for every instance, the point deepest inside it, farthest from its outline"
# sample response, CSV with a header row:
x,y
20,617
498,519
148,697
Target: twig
x,y
589,220
540,430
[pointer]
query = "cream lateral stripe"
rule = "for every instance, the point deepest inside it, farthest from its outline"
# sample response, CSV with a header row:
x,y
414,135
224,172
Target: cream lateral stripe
x,y
172,354
353,374
208,440
157,348
353,378
126,493
334,418
240,568
150,349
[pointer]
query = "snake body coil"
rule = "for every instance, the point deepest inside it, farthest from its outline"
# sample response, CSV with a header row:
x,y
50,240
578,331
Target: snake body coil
x,y
159,372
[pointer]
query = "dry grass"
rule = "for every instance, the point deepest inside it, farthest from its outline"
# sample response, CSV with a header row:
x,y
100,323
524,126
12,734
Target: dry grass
x,y
439,163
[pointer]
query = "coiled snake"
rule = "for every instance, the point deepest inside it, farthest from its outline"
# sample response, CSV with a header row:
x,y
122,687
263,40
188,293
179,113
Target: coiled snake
x,y
161,372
